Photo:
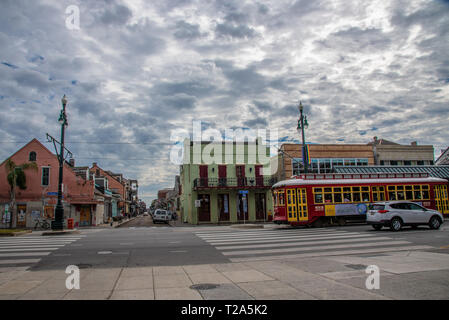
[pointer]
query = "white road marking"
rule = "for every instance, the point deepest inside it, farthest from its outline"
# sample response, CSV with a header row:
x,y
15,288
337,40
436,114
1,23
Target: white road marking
x,y
300,243
332,253
29,249
339,246
19,261
24,254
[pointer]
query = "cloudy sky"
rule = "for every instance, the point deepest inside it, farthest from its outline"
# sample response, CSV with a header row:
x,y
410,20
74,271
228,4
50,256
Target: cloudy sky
x,y
137,70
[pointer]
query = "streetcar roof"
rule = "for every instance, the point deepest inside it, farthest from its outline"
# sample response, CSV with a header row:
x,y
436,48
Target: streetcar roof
x,y
294,182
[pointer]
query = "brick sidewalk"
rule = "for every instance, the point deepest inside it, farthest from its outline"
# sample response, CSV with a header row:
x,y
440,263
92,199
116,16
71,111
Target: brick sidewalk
x,y
316,278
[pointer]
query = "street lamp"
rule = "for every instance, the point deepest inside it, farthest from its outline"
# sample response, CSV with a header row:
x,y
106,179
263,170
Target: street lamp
x,y
58,224
302,123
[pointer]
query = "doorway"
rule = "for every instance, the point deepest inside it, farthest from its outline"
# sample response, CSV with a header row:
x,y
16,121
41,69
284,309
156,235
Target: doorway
x,y
223,207
85,216
242,207
21,215
204,209
260,206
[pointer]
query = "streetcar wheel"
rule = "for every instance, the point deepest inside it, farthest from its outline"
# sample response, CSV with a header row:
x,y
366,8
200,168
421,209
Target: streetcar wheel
x,y
318,223
341,221
396,224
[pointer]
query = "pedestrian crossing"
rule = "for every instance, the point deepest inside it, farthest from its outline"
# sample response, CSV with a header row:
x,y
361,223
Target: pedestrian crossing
x,y
258,245
29,250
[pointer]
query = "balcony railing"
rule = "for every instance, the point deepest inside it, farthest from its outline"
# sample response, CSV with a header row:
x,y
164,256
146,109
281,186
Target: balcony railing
x,y
229,183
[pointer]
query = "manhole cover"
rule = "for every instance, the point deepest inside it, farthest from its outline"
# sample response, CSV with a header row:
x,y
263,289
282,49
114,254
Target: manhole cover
x,y
84,266
356,266
204,286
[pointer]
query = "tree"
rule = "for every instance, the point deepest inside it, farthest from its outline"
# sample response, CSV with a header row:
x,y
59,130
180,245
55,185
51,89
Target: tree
x,y
16,177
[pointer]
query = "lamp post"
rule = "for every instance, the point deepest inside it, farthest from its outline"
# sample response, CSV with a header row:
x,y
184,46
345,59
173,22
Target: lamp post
x,y
302,123
58,224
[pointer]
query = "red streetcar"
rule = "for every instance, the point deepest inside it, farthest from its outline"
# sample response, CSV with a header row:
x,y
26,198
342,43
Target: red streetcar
x,y
317,199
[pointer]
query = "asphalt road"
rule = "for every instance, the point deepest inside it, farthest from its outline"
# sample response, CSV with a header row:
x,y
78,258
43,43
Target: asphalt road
x,y
141,243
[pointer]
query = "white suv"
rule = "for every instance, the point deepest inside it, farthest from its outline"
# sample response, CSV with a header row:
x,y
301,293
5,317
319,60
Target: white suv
x,y
396,214
162,216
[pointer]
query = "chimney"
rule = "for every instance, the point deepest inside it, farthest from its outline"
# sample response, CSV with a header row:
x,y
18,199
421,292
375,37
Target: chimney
x,y
72,162
94,164
414,143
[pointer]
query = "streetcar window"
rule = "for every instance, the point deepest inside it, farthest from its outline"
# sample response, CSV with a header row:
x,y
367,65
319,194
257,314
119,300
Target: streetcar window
x,y
392,195
347,197
318,198
375,197
327,189
425,194
356,197
365,196
409,194
400,195
328,197
281,198
337,197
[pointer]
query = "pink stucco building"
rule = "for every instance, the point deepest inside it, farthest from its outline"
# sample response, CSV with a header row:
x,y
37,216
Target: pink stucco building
x,y
81,200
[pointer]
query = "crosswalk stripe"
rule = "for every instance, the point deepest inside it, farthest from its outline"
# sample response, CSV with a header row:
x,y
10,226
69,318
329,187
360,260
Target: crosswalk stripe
x,y
279,237
24,254
252,234
38,239
290,239
25,250
18,246
29,249
300,249
332,253
299,242
20,261
267,231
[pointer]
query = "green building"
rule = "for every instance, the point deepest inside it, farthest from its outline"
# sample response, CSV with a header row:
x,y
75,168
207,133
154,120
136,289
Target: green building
x,y
230,189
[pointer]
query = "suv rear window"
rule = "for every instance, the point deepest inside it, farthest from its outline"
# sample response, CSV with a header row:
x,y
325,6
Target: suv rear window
x,y
376,207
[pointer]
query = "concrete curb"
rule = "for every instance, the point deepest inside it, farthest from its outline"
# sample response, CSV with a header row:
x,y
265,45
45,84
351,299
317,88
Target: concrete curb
x,y
15,234
247,226
60,233
118,224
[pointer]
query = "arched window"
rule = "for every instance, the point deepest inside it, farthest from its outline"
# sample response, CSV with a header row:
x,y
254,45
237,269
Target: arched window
x,y
32,156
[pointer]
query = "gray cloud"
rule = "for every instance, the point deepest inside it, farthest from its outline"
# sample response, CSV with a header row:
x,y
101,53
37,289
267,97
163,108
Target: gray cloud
x,y
133,74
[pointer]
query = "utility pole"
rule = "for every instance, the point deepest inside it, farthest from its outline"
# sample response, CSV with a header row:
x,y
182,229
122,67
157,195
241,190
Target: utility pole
x,y
302,122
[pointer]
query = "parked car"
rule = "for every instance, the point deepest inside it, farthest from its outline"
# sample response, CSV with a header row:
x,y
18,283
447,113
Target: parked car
x,y
161,216
396,214
145,214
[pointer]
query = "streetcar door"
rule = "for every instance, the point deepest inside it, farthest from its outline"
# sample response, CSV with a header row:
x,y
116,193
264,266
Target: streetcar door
x,y
441,199
291,205
302,204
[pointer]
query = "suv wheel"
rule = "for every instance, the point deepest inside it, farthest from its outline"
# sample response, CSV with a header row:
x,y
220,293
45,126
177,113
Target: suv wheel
x,y
396,224
377,226
434,223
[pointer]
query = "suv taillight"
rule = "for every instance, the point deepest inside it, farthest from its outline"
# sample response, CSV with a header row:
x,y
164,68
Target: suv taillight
x,y
382,211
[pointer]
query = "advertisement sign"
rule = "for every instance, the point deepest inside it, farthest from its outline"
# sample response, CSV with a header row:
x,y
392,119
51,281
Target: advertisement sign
x,y
6,217
350,209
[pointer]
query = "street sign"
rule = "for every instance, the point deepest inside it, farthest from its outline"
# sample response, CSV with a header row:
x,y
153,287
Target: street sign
x,y
243,191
